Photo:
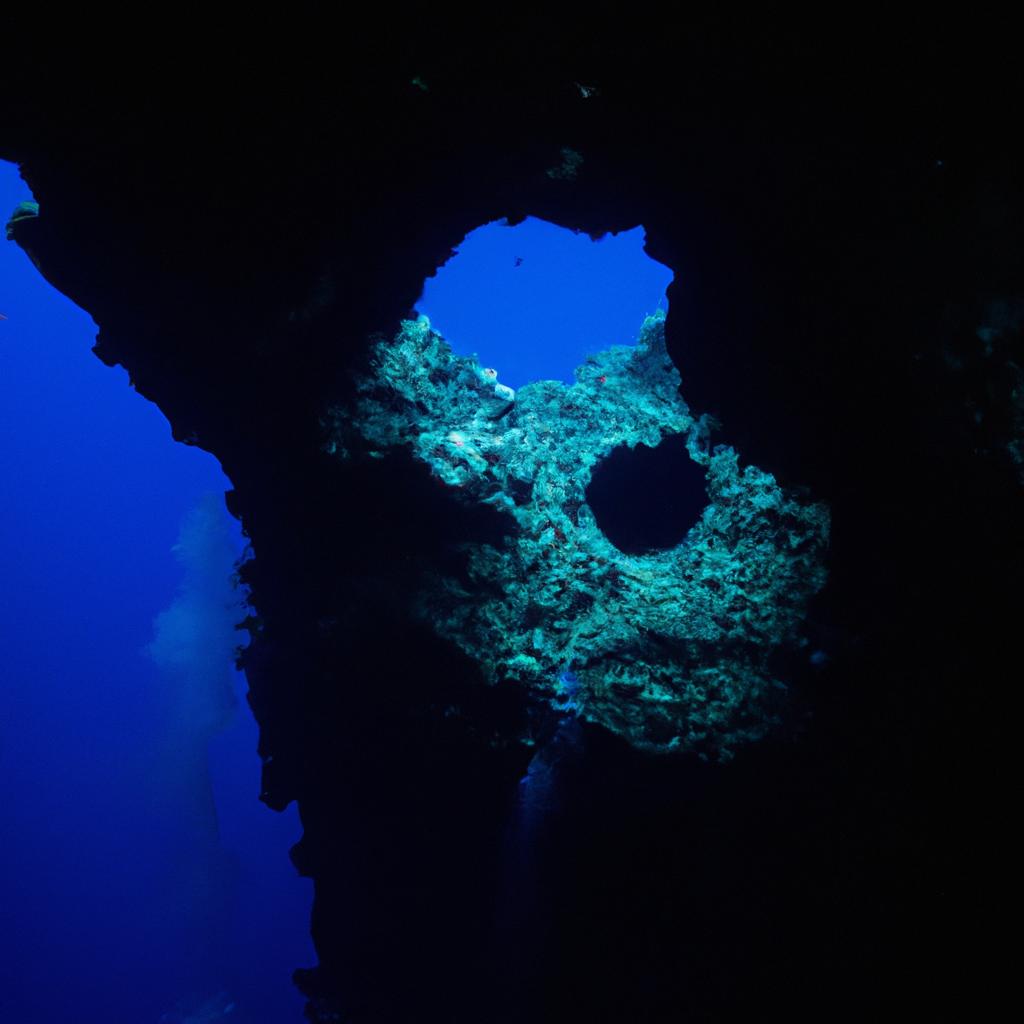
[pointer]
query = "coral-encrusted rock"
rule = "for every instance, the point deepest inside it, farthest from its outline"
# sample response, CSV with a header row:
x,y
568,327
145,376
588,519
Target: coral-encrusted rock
x,y
670,648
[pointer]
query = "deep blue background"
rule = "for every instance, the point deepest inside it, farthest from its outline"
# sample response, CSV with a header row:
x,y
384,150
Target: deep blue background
x,y
108,838
569,296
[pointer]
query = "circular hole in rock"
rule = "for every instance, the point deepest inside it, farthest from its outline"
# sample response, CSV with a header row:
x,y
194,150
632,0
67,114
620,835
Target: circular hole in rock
x,y
647,499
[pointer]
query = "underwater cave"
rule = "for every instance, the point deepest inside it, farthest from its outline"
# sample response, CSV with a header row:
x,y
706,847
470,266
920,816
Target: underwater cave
x,y
658,746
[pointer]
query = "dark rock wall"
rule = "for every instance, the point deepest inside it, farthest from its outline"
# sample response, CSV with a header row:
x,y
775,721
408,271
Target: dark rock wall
x,y
839,210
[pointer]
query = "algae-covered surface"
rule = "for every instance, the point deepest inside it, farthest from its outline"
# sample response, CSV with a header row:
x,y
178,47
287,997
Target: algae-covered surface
x,y
669,648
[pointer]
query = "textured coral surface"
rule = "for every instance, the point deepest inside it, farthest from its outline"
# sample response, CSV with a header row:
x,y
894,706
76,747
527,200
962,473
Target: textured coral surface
x,y
668,648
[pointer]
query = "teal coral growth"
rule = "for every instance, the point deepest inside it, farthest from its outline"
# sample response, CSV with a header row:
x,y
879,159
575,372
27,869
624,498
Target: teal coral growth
x,y
669,649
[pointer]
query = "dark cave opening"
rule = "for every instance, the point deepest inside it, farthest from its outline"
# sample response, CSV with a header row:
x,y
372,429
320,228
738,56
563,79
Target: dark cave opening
x,y
647,499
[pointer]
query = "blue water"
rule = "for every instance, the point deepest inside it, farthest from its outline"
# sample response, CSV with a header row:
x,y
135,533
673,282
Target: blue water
x,y
534,300
138,870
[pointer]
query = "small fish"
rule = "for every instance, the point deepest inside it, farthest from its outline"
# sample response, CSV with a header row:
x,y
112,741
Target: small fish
x,y
2,316
519,261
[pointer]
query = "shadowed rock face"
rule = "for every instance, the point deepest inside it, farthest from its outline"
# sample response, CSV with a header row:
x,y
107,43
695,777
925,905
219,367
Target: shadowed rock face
x,y
239,240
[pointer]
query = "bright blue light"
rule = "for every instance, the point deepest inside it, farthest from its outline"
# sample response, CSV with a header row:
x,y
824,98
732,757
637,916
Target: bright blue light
x,y
535,299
